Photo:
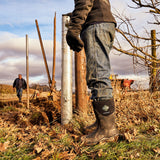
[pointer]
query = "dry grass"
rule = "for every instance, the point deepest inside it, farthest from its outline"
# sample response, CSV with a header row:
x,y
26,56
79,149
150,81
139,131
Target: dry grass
x,y
36,133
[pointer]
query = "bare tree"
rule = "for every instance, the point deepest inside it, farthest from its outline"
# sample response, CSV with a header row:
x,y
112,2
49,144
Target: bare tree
x,y
136,45
152,5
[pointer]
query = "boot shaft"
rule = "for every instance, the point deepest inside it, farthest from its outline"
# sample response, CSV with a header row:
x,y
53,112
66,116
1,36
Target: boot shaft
x,y
104,107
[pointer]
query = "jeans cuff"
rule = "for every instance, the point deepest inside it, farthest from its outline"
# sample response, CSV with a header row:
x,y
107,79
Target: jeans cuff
x,y
101,94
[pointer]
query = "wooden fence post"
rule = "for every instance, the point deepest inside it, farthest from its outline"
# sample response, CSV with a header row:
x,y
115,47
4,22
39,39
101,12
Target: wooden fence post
x,y
44,55
54,54
27,70
154,65
80,83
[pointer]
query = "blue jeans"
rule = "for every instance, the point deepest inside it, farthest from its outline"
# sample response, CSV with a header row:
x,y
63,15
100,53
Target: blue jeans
x,y
98,41
19,93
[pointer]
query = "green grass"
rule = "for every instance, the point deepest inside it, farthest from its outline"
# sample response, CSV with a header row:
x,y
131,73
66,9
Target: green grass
x,y
8,108
141,148
18,153
139,119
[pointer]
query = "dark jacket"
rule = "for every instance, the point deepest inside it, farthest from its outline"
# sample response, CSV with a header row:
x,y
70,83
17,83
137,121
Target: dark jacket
x,y
17,82
89,12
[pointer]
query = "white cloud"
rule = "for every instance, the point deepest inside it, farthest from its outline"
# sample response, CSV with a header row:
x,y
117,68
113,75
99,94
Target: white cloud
x,y
13,59
18,19
6,36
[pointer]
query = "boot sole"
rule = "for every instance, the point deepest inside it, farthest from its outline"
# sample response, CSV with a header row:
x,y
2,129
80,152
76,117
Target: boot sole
x,y
103,140
111,139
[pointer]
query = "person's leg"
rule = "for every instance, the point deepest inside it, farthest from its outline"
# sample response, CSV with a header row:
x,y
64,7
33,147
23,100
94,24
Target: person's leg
x,y
98,41
19,94
17,91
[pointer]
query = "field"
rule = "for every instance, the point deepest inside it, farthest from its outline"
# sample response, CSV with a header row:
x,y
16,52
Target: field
x,y
36,132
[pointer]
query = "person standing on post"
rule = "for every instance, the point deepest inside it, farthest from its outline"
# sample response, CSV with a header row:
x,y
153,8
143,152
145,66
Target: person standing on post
x,y
93,21
19,84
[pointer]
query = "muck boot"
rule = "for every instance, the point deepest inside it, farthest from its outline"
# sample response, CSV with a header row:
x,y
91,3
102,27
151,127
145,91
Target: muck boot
x,y
106,130
94,125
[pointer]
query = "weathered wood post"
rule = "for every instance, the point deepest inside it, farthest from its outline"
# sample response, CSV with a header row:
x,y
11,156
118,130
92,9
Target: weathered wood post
x,y
27,70
44,55
54,54
154,65
80,83
66,81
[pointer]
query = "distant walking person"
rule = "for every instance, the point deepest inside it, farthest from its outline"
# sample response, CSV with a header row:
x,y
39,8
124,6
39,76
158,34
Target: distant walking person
x,y
19,84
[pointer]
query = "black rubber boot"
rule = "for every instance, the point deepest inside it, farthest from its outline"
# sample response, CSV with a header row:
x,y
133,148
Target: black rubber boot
x,y
94,125
106,130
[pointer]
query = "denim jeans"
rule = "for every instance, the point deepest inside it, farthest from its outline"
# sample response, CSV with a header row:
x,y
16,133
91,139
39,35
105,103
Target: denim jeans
x,y
19,93
98,41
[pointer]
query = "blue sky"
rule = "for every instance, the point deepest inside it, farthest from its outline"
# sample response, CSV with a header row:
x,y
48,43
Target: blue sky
x,y
17,18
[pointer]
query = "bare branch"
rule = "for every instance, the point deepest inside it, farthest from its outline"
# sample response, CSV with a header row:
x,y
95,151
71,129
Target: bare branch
x,y
152,5
133,46
136,55
139,47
